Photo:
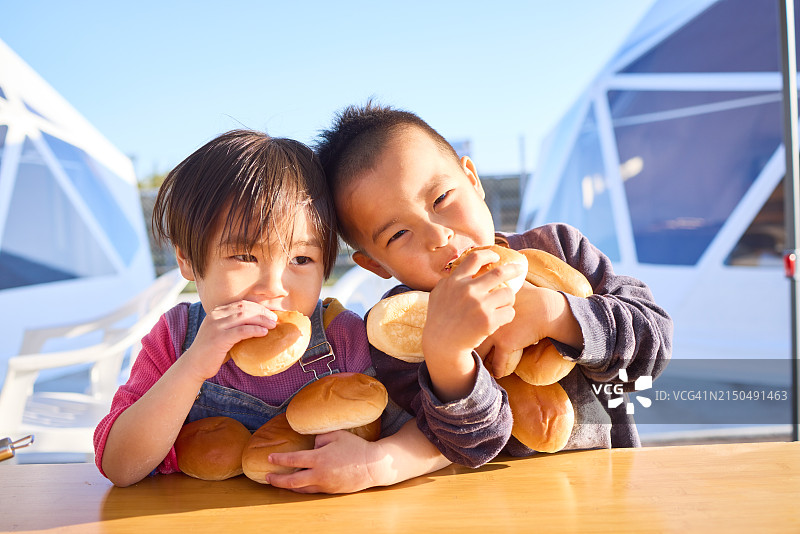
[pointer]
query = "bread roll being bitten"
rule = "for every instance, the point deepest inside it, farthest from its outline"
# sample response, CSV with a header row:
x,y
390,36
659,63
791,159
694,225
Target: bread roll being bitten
x,y
276,351
507,256
211,448
394,324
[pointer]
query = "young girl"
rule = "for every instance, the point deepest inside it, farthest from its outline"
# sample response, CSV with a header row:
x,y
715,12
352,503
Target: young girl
x,y
253,226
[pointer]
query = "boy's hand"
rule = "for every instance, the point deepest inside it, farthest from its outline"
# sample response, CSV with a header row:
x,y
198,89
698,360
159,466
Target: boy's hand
x,y
462,312
540,313
221,329
340,462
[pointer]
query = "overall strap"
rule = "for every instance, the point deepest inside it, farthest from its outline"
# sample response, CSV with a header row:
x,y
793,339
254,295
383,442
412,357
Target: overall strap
x,y
319,355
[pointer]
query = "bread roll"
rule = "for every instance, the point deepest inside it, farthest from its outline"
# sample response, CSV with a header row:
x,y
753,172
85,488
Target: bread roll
x,y
336,402
211,448
541,364
370,431
507,256
276,351
551,272
273,436
394,325
543,415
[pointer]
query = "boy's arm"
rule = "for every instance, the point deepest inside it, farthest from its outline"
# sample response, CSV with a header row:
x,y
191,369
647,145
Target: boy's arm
x,y
621,324
469,431
344,463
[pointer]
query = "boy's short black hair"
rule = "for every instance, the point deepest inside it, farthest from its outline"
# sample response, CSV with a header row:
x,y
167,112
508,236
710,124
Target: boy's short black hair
x,y
253,185
356,140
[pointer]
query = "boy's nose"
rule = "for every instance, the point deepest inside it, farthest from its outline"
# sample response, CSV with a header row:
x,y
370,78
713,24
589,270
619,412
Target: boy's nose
x,y
439,236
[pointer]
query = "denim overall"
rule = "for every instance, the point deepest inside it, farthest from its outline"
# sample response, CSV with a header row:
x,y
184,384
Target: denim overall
x,y
213,399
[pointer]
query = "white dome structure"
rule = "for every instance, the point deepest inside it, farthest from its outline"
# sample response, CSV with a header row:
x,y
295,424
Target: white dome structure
x,y
672,163
72,236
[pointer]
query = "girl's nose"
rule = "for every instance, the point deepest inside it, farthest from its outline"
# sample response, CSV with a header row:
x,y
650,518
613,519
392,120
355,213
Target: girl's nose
x,y
270,283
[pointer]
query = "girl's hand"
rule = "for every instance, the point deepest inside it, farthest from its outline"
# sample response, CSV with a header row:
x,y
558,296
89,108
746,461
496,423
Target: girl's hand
x,y
222,328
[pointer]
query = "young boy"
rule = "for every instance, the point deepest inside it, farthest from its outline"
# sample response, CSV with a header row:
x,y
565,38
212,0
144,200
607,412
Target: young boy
x,y
253,225
408,206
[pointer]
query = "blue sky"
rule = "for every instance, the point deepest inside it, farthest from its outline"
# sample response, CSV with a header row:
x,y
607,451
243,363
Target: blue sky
x,y
160,78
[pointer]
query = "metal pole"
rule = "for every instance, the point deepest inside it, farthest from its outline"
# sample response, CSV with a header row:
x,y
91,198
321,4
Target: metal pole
x,y
791,189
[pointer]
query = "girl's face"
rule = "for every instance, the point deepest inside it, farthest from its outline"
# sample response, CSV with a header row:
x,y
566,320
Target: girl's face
x,y
280,275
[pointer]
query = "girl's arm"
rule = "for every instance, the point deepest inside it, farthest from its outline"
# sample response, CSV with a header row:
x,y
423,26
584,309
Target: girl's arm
x,y
142,435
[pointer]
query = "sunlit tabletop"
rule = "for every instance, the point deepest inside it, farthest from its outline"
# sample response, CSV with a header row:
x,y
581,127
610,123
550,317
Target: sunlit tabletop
x,y
709,488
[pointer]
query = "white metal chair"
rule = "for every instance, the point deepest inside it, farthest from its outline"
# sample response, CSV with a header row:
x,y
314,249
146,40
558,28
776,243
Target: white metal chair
x,y
62,421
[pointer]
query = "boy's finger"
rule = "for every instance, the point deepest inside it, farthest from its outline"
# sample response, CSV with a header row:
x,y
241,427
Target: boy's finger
x,y
473,263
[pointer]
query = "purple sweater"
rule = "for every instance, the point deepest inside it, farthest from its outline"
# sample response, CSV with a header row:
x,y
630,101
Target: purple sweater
x,y
622,326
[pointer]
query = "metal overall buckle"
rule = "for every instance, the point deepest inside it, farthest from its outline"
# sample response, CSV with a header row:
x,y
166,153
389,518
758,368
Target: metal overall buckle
x,y
328,353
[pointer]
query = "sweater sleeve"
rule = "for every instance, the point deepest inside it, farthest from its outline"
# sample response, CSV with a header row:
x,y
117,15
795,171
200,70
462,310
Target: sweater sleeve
x,y
156,356
622,326
468,431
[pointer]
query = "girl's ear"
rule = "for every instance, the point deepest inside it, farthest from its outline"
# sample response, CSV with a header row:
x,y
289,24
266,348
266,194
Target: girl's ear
x,y
184,265
369,264
469,169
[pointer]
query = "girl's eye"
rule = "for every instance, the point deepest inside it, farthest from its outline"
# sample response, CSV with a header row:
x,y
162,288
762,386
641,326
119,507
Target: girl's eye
x,y
249,258
301,260
440,199
396,236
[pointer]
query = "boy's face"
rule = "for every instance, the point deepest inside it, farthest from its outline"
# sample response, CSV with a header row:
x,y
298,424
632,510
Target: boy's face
x,y
280,276
416,211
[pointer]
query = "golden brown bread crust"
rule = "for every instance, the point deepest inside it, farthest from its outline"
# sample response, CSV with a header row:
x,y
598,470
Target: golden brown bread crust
x,y
370,431
547,270
394,325
543,415
337,402
276,351
541,364
276,435
211,448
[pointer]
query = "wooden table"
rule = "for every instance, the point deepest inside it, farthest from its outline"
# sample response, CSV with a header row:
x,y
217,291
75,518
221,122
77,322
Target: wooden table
x,y
708,488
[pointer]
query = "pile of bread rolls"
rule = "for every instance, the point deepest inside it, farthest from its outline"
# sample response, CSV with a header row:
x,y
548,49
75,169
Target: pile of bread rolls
x,y
543,413
217,448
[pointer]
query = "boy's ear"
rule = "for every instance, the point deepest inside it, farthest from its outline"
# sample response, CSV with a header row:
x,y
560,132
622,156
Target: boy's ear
x,y
365,262
469,169
184,265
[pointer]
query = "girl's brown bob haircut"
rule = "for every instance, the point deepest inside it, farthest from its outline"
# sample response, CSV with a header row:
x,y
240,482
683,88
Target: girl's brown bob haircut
x,y
253,185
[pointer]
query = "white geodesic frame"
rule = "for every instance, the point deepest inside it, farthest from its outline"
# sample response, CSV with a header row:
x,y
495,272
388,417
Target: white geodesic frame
x,y
700,297
49,304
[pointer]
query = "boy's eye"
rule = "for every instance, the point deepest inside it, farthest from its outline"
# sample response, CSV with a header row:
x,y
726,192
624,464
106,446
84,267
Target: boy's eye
x,y
396,236
301,260
440,199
